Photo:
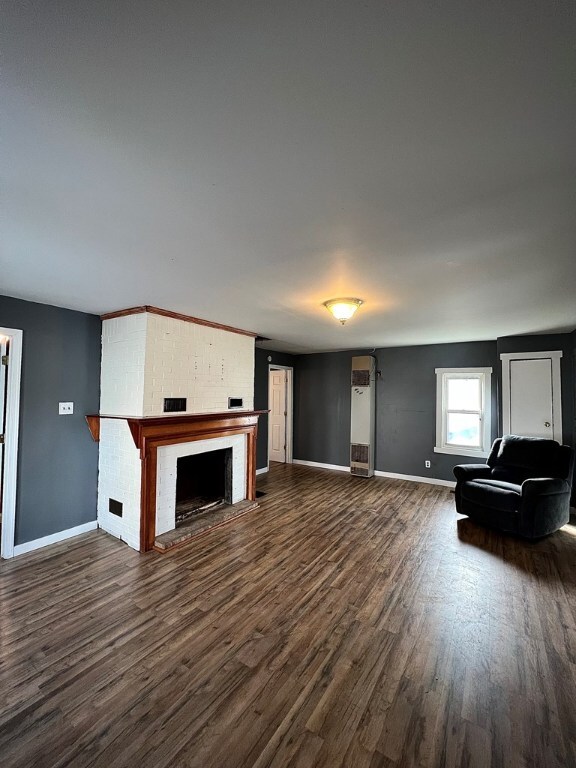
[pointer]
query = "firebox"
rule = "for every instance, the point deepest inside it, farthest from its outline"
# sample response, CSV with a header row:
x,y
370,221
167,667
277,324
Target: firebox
x,y
203,482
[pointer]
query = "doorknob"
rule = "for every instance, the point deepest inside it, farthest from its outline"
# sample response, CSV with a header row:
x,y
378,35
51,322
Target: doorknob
x,y
546,423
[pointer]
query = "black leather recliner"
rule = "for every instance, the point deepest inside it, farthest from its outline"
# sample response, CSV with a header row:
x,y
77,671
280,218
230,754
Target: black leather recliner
x,y
524,487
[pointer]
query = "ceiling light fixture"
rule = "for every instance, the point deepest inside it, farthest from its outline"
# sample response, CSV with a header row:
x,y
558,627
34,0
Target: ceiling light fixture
x,y
343,309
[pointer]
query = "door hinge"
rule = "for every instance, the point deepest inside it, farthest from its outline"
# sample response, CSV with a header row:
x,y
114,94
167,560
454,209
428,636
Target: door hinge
x,y
1,439
4,359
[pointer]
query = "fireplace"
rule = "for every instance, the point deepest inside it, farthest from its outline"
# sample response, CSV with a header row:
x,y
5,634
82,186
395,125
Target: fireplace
x,y
196,473
203,482
171,386
149,450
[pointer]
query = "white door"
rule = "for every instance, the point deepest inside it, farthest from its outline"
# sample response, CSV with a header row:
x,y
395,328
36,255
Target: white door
x,y
531,394
277,416
531,398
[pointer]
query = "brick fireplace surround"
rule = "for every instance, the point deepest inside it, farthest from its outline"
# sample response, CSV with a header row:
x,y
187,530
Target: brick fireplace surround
x,y
152,432
152,359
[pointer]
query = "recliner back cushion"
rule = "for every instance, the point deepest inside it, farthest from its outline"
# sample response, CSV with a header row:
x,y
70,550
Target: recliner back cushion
x,y
520,458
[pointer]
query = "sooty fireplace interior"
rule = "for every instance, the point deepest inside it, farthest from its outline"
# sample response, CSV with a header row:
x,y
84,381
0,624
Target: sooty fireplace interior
x,y
203,482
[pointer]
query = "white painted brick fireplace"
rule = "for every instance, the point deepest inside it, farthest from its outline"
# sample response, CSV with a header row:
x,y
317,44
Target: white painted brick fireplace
x,y
168,456
147,356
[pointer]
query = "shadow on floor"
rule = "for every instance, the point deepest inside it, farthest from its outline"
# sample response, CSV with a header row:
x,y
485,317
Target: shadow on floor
x,y
551,558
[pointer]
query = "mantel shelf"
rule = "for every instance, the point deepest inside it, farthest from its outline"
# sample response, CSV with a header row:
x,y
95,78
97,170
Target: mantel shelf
x,y
176,424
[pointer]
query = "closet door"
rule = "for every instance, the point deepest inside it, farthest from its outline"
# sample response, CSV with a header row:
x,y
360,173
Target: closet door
x,y
531,397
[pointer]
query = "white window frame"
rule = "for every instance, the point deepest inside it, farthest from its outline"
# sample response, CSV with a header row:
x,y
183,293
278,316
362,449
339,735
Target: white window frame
x,y
485,377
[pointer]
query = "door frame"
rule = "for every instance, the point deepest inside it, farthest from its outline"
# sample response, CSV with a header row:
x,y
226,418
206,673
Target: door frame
x,y
555,357
9,481
289,411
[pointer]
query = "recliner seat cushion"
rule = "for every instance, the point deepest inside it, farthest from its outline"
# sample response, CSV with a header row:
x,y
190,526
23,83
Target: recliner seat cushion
x,y
496,494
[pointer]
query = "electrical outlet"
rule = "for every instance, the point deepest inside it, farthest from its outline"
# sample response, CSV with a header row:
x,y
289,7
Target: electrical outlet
x,y
65,409
427,464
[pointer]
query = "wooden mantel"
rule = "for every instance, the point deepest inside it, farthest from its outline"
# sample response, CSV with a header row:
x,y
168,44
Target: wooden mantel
x,y
149,433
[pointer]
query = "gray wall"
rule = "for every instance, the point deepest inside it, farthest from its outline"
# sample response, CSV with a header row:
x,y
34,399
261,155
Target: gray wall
x,y
406,400
322,408
406,397
405,405
261,364
57,459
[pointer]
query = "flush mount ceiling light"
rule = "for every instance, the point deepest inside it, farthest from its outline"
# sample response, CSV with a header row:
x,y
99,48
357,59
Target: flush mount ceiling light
x,y
343,309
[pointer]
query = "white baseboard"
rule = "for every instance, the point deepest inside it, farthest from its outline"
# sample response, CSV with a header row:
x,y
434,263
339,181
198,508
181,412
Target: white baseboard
x,y
378,473
30,546
415,478
319,465
262,471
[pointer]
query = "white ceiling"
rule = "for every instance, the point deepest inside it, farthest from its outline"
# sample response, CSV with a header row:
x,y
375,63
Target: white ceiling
x,y
245,161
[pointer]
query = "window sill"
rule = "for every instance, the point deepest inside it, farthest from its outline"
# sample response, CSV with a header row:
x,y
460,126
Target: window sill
x,y
463,452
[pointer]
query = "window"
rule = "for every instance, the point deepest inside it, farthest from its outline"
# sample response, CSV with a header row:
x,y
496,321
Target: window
x,y
463,413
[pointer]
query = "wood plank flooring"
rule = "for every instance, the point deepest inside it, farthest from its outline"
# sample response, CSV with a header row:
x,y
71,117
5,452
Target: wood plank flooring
x,y
346,622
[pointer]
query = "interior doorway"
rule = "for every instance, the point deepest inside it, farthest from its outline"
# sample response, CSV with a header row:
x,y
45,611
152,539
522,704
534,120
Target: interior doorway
x,y
10,369
280,419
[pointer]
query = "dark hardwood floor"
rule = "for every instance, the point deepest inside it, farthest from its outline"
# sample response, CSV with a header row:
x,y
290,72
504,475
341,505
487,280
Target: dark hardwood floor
x,y
346,622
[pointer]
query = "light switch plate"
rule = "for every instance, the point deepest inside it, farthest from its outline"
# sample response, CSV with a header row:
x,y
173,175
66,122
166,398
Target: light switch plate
x,y
65,409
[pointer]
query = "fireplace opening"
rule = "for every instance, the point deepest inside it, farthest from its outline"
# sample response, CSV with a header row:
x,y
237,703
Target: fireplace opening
x,y
203,482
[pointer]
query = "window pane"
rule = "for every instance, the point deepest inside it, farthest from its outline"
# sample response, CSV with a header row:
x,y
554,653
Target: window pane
x,y
463,394
463,429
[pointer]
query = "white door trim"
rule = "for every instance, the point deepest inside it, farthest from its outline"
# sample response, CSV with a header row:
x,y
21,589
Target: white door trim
x,y
11,444
289,409
555,357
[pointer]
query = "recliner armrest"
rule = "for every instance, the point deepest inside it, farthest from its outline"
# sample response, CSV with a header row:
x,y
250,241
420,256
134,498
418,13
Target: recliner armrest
x,y
463,472
545,486
545,506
